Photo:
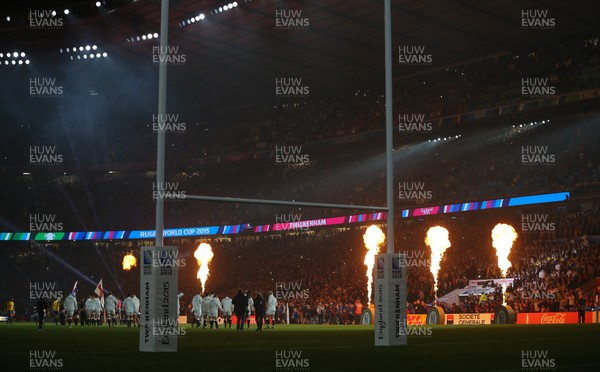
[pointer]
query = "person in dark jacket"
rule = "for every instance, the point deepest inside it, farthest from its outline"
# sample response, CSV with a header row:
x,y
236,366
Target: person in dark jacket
x,y
42,305
240,303
82,314
581,302
250,308
259,310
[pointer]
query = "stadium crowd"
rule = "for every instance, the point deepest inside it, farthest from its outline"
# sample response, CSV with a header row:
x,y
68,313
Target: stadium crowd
x,y
319,276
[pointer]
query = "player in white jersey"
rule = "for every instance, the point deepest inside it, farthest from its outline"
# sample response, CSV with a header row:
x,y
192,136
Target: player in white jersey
x,y
111,303
70,308
97,310
271,309
213,308
250,308
129,306
179,295
197,310
136,313
227,306
89,310
205,311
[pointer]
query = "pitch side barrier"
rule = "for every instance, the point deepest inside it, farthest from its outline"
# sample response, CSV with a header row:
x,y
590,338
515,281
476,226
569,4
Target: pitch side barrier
x,y
200,231
563,317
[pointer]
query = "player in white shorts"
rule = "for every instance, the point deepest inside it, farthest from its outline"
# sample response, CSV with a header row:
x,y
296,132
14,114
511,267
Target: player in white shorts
x,y
97,308
205,311
89,310
271,309
213,307
70,307
111,304
250,308
227,305
129,306
197,310
136,313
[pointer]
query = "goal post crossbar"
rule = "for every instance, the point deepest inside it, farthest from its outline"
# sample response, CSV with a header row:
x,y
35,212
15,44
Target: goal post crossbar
x,y
291,203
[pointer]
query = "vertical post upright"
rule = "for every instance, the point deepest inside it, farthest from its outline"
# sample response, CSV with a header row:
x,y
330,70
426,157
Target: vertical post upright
x,y
389,135
162,107
159,313
390,279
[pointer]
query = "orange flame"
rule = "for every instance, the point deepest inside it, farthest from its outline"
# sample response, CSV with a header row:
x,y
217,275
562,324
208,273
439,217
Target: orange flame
x,y
437,239
373,238
503,236
129,261
203,255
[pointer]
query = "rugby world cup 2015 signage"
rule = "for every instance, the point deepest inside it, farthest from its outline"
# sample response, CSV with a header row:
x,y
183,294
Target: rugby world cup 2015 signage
x,y
390,300
158,299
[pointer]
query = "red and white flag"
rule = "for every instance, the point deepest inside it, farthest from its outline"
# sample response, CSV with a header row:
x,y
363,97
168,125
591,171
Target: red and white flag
x,y
100,292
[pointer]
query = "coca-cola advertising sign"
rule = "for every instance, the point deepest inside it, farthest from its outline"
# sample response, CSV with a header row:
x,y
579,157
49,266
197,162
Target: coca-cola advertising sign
x,y
552,318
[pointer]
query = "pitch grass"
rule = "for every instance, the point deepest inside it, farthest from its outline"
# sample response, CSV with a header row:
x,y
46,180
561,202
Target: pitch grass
x,y
327,348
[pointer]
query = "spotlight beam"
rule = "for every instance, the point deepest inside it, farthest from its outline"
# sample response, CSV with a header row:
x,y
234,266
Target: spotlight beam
x,y
7,259
65,264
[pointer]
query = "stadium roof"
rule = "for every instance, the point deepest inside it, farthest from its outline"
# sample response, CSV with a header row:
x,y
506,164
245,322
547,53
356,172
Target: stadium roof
x,y
233,57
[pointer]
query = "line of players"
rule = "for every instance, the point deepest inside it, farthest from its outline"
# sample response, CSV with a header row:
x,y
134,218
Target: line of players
x,y
89,312
206,310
